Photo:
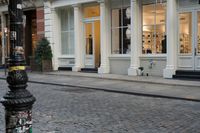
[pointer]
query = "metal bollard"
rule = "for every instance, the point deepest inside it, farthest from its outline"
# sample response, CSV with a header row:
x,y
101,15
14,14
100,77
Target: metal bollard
x,y
18,101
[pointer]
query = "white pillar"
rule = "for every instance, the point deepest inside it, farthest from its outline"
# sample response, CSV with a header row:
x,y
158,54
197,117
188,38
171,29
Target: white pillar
x,y
54,38
135,37
169,71
104,67
77,38
51,31
3,25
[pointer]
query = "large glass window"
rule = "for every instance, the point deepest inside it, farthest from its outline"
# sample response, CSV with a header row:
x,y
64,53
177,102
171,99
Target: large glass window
x,y
121,27
67,31
154,19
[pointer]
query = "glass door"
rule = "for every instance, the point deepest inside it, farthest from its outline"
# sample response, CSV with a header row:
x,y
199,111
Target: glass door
x,y
189,40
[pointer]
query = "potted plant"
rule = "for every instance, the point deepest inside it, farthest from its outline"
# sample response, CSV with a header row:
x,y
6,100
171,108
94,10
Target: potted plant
x,y
43,55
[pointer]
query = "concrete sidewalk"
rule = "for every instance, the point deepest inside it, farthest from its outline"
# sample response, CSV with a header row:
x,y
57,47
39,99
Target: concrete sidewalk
x,y
138,85
143,79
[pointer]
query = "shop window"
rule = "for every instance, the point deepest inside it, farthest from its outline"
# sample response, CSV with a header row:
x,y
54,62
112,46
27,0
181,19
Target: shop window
x,y
67,31
121,27
154,38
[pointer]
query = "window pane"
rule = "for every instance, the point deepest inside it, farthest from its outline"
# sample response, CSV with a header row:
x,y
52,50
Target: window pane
x,y
160,13
116,18
67,41
67,31
71,19
126,40
126,16
64,20
71,44
185,33
92,11
64,43
89,38
116,41
149,14
160,38
148,39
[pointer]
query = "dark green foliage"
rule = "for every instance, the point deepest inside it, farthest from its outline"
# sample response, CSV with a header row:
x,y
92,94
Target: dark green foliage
x,y
43,51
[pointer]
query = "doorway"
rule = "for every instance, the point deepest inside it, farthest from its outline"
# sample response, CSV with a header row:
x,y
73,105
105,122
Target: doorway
x,y
92,44
91,28
189,40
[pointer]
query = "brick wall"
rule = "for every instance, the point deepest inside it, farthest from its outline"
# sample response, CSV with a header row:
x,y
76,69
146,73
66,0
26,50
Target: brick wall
x,y
40,22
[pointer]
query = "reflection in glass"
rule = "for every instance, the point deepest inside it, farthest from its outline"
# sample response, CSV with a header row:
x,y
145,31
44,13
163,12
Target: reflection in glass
x,y
185,33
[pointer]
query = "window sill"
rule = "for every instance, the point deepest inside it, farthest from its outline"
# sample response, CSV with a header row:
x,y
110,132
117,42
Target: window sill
x,y
153,56
120,56
66,56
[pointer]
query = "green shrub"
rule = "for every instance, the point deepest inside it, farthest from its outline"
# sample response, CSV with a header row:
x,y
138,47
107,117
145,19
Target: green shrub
x,y
43,51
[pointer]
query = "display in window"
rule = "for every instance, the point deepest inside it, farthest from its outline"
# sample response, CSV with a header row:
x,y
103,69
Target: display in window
x,y
185,45
154,41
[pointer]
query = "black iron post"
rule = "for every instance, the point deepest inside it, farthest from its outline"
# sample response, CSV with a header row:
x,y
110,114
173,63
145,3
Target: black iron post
x,y
18,101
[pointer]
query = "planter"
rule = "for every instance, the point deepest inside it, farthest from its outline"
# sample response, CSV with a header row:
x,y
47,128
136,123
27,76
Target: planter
x,y
47,65
33,65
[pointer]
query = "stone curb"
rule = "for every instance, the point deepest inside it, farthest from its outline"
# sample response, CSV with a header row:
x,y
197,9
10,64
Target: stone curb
x,y
129,80
115,91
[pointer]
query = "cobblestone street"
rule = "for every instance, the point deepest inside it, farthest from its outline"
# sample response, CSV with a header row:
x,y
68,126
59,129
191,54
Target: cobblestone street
x,y
76,110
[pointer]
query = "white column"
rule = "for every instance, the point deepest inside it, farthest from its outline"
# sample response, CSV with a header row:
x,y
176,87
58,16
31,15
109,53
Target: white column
x,y
169,71
51,31
77,38
135,37
104,67
54,37
3,25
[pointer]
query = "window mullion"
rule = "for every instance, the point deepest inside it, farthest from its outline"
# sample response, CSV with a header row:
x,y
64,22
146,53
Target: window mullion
x,y
121,27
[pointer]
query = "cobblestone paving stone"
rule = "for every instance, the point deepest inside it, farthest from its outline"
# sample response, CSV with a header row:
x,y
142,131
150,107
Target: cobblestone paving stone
x,y
75,110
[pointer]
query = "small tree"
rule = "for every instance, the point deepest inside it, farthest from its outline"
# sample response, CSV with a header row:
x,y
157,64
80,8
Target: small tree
x,y
43,51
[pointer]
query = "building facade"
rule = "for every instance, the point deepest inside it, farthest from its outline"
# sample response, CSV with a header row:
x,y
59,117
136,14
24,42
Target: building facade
x,y
33,27
123,36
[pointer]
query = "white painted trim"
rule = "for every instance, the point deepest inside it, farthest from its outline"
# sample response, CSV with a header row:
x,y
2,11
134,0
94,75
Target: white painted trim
x,y
92,19
66,56
62,3
120,56
154,56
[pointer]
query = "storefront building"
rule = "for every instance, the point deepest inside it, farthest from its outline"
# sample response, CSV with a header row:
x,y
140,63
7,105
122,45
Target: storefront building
x,y
123,36
33,28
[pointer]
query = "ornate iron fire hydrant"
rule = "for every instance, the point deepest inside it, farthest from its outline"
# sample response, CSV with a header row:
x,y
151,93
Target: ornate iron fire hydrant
x,y
18,101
